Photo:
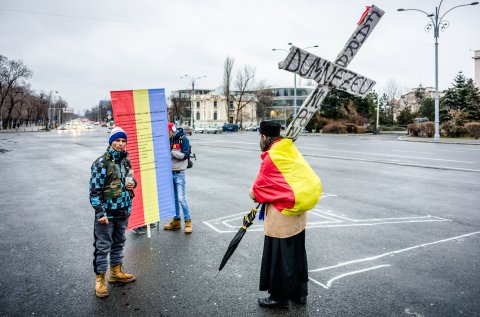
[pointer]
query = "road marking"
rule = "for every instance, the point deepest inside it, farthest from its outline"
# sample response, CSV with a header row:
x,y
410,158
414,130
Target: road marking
x,y
398,156
412,152
376,257
448,168
328,220
330,282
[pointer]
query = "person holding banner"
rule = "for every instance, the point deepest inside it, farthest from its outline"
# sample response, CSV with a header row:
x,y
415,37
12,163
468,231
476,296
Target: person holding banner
x,y
288,187
180,151
111,197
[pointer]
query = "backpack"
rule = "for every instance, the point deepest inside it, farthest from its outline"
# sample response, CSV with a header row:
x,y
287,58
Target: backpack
x,y
190,154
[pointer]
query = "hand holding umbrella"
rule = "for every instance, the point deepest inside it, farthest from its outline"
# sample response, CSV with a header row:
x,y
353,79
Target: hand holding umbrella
x,y
247,222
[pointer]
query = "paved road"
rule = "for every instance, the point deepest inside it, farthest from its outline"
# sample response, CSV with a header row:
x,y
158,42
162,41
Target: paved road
x,y
396,233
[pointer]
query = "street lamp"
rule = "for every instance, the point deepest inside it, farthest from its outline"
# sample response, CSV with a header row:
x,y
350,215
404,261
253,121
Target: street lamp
x,y
437,23
294,79
50,109
192,79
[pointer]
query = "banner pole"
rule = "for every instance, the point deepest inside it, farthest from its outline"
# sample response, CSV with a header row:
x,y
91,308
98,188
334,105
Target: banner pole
x,y
149,232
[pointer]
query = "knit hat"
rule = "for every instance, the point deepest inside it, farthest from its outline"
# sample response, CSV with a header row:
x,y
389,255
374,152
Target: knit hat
x,y
171,127
270,128
117,133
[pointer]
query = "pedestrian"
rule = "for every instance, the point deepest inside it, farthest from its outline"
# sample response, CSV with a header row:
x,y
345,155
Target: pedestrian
x,y
180,151
287,187
111,198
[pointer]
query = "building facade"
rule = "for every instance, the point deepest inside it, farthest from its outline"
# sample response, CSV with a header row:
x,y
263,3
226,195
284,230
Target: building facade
x,y
209,107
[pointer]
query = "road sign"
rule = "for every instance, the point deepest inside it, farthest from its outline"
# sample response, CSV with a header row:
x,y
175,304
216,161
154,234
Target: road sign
x,y
367,23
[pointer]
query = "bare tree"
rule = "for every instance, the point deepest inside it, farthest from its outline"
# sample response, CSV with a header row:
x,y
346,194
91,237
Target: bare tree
x,y
227,81
12,77
244,90
392,91
264,99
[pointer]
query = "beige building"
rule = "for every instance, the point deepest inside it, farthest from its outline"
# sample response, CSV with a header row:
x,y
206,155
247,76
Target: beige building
x,y
211,109
411,101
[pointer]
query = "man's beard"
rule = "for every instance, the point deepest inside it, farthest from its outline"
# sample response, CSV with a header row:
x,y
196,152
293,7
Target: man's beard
x,y
264,144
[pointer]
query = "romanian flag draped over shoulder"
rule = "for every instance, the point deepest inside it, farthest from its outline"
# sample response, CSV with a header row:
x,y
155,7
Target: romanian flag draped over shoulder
x,y
286,180
143,115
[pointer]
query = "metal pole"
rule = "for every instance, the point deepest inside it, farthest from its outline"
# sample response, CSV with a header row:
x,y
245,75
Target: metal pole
x,y
436,137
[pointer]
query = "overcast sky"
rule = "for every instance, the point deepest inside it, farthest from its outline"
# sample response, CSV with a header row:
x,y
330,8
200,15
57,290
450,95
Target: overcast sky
x,y
84,49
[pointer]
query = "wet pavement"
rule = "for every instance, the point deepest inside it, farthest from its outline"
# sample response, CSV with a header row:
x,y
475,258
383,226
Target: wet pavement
x,y
396,233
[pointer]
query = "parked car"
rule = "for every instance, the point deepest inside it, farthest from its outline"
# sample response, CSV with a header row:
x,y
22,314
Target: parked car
x,y
214,129
230,127
187,129
200,129
252,128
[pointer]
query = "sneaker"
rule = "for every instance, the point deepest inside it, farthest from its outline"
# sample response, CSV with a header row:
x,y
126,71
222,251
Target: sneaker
x,y
140,230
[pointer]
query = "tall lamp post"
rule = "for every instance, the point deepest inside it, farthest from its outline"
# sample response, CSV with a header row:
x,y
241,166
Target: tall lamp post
x,y
294,79
437,23
193,79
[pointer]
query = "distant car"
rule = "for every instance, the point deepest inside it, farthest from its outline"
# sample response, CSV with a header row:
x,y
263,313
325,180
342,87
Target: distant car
x,y
103,124
62,127
230,127
214,129
200,129
187,129
252,128
88,127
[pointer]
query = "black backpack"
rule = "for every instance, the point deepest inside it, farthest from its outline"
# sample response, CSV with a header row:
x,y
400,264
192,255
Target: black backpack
x,y
191,155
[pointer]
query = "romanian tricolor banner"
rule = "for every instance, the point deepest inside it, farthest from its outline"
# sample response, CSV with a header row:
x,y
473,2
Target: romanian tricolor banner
x,y
143,116
286,180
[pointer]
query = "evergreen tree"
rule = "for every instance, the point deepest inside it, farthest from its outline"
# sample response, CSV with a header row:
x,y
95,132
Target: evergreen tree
x,y
462,96
472,97
427,108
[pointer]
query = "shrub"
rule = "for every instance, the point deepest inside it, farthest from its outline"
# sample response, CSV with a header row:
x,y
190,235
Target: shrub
x,y
413,129
335,127
473,129
427,128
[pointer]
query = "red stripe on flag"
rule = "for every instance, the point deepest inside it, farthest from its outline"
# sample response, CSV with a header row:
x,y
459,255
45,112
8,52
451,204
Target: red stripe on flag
x,y
271,186
124,113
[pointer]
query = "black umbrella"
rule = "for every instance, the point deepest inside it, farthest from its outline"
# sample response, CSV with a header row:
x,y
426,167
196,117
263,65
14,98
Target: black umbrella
x,y
247,222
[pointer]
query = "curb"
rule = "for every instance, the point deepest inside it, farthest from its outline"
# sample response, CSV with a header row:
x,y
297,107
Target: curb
x,y
463,142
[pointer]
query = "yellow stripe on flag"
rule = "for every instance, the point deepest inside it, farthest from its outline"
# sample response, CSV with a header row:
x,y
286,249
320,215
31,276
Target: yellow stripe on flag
x,y
146,156
306,185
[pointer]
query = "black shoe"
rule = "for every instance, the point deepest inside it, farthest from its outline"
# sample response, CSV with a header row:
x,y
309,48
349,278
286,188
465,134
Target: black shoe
x,y
268,302
140,230
300,300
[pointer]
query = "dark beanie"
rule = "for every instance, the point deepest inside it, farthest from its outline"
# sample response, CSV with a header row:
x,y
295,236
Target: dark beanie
x,y
270,128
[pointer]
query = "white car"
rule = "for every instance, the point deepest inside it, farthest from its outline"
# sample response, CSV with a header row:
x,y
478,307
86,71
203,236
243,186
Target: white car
x,y
200,129
214,129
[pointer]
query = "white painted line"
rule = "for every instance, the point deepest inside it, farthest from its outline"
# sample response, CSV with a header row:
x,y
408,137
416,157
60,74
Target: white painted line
x,y
329,283
396,156
394,163
412,152
318,283
356,144
394,252
370,224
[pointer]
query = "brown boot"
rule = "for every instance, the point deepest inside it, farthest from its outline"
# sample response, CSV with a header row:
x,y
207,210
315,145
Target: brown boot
x,y
101,289
174,224
188,226
117,275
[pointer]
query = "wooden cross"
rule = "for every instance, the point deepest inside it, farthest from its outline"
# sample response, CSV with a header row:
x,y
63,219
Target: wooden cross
x,y
328,74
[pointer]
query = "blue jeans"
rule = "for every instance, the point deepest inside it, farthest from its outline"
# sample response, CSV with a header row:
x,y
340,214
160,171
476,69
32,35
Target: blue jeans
x,y
109,239
179,191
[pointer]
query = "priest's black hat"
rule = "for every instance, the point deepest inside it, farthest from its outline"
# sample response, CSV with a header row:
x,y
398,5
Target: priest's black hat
x,y
270,128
